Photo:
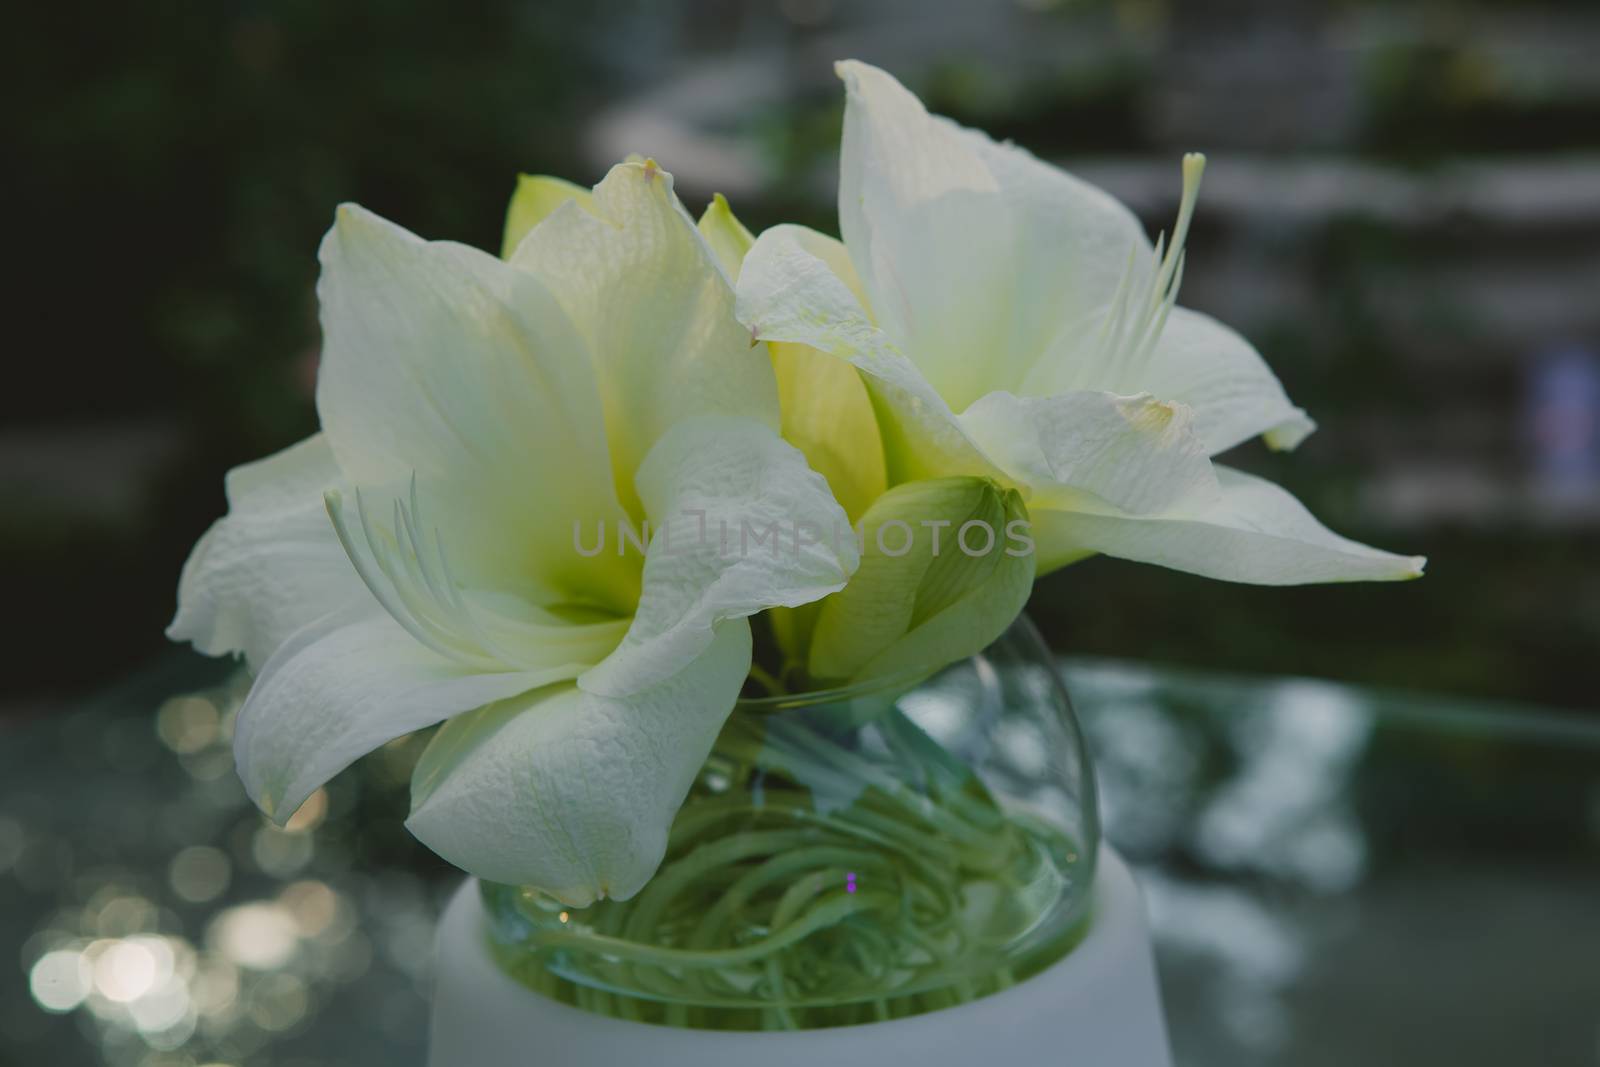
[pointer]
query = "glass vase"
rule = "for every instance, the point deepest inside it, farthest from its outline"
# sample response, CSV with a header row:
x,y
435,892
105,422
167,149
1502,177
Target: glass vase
x,y
845,857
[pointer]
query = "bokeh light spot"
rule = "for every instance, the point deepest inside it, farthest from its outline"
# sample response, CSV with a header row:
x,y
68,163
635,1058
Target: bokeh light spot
x,y
279,852
200,873
188,724
124,971
278,1002
261,937
313,905
60,980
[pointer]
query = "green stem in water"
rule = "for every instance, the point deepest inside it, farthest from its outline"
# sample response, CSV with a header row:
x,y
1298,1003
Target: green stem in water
x,y
778,907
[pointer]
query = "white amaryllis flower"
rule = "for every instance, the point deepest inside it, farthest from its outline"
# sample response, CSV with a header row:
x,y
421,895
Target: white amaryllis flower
x,y
429,555
1014,324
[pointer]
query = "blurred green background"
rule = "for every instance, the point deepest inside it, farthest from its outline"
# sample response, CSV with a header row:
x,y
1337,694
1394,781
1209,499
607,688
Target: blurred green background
x,y
1401,211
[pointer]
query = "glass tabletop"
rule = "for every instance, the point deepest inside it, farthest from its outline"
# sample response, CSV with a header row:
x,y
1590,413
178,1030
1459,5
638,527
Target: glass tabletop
x,y
1334,875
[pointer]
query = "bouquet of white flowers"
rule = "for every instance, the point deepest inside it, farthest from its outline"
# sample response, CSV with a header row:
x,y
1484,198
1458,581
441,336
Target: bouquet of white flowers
x,y
554,491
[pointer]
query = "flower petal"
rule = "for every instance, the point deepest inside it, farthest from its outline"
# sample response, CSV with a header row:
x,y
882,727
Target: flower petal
x,y
827,414
788,292
444,364
974,254
570,791
928,592
405,564
726,235
1133,452
272,564
741,524
825,410
969,246
536,196
1252,531
1202,363
647,294
341,687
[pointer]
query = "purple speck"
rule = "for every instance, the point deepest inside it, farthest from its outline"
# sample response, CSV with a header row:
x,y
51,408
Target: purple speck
x,y
850,882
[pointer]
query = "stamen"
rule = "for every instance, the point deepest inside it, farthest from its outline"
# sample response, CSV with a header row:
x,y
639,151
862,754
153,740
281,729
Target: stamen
x,y
398,560
427,603
1117,321
1129,351
334,502
1194,166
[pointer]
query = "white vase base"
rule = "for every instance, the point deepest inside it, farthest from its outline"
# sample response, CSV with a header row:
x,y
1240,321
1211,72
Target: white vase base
x,y
1099,1006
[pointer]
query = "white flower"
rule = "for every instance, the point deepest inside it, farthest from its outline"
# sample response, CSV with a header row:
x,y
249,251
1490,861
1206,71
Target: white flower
x,y
1014,324
474,412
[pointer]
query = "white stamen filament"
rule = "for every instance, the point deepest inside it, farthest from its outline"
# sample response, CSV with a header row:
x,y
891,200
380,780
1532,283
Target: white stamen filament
x,y
1131,328
411,580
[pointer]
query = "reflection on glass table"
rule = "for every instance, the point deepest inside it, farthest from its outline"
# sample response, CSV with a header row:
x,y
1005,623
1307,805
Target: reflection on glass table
x,y
1334,876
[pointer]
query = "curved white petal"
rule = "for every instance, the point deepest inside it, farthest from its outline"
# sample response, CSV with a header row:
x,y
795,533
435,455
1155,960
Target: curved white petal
x,y
1253,531
272,564
656,309
995,270
1202,363
1133,452
1199,362
740,524
788,292
571,791
975,255
339,688
442,363
929,591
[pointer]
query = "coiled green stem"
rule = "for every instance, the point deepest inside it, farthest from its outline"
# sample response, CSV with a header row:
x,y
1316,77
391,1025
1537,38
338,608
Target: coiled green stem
x,y
809,884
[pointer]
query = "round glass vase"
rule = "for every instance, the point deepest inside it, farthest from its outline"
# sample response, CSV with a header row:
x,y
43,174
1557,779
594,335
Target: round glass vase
x,y
845,857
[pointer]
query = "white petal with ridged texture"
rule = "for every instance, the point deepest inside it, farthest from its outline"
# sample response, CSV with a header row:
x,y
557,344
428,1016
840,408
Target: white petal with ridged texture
x,y
570,791
739,524
1133,452
272,564
341,687
656,310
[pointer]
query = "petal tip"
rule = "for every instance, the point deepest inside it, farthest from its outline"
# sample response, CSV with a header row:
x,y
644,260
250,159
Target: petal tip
x,y
175,631
1287,435
348,215
855,74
